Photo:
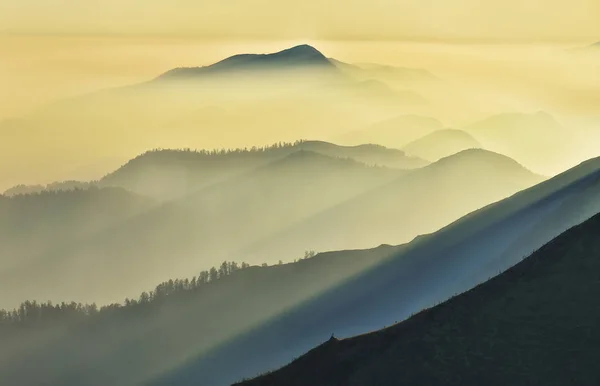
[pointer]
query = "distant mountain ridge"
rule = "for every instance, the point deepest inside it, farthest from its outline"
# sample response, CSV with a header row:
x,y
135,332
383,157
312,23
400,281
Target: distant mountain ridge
x,y
395,132
232,103
245,197
54,186
186,170
302,56
490,177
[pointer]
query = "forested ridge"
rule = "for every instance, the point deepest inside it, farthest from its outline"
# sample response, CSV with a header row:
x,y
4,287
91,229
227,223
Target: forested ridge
x,y
32,312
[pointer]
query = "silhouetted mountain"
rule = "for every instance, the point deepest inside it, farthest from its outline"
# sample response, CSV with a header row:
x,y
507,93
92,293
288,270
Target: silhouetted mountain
x,y
441,143
429,270
395,132
173,173
302,56
535,321
427,199
538,141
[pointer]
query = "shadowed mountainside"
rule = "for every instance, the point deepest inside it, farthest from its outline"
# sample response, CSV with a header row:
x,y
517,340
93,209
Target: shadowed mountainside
x,y
441,143
430,269
535,321
260,318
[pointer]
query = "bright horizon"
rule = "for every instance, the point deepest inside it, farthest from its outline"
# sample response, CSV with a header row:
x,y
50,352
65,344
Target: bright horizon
x,y
334,19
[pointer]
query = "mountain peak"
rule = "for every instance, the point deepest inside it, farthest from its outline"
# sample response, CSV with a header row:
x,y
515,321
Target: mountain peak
x,y
303,50
300,56
479,158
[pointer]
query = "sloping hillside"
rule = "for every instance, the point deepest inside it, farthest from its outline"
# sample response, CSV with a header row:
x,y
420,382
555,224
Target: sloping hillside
x,y
260,318
70,344
535,323
420,202
171,239
33,227
429,270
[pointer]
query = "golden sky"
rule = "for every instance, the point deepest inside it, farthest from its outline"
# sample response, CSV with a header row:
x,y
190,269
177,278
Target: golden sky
x,y
55,49
310,19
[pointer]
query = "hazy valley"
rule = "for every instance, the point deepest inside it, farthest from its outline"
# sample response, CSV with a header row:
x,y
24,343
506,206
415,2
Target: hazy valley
x,y
363,214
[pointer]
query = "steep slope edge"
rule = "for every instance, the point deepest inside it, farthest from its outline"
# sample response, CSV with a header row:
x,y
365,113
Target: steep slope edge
x,y
535,321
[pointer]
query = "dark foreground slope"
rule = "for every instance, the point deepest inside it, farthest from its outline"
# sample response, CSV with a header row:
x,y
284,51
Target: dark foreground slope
x,y
427,271
260,318
534,324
